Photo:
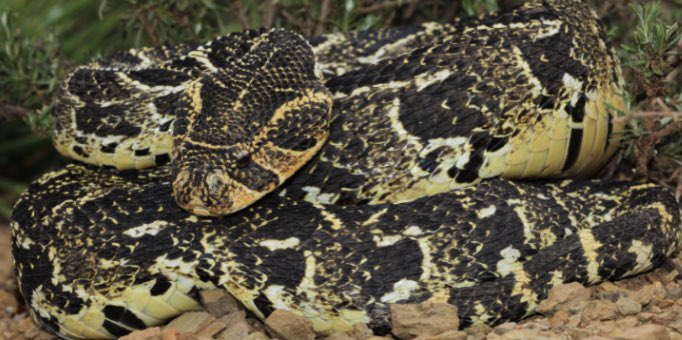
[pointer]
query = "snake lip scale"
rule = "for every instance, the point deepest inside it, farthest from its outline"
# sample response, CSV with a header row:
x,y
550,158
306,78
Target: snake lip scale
x,y
336,175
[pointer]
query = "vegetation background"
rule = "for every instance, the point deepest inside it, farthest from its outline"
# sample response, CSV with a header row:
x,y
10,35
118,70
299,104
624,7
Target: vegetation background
x,y
40,41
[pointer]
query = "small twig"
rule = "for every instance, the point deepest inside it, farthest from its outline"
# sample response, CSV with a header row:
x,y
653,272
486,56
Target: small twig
x,y
668,130
324,13
409,12
241,14
648,114
149,29
381,6
269,13
291,19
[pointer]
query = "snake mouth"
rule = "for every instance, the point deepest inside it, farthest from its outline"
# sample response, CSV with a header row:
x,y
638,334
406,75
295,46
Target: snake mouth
x,y
213,193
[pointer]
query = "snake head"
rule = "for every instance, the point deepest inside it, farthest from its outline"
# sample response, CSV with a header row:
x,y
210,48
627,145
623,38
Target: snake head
x,y
248,125
211,191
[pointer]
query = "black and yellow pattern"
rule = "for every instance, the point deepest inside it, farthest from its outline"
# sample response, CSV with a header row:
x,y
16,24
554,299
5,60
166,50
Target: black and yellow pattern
x,y
385,212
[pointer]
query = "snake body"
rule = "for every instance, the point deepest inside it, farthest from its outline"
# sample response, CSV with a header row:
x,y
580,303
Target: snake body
x,y
370,173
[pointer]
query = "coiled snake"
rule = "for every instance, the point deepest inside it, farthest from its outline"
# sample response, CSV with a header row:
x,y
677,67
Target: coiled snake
x,y
339,198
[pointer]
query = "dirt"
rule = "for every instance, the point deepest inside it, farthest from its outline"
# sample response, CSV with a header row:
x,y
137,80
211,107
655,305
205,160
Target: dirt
x,y
648,306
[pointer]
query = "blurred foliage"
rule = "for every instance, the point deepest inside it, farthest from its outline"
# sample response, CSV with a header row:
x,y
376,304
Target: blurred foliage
x,y
40,41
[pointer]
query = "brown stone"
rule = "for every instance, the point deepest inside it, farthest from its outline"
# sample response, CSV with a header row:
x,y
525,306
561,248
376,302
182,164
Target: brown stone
x,y
340,336
8,302
426,318
449,335
581,333
674,291
627,322
664,318
643,296
663,303
676,325
504,328
233,318
649,332
153,333
211,330
191,322
360,331
559,318
478,330
170,334
646,316
256,325
219,302
523,334
627,306
238,331
600,310
285,325
257,336
561,297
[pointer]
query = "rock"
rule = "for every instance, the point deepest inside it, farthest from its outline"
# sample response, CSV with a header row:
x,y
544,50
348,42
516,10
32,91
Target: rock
x,y
212,330
643,296
574,321
664,318
30,330
559,318
478,331
340,336
256,325
360,332
627,306
285,325
522,334
537,324
426,318
170,334
233,318
676,325
219,302
504,328
674,291
238,331
581,333
663,303
191,322
600,310
563,296
449,335
8,302
646,316
649,332
627,322
612,296
257,336
153,333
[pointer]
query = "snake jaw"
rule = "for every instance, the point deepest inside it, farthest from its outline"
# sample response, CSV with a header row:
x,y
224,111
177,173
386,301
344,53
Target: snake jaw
x,y
215,192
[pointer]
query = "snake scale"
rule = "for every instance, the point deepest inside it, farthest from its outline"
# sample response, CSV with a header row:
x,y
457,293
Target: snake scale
x,y
335,176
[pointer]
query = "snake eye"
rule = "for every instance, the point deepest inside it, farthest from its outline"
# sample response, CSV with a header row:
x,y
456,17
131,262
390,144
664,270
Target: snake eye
x,y
243,159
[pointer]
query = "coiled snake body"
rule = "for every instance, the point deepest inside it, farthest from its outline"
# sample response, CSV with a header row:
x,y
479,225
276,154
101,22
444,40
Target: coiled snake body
x,y
377,205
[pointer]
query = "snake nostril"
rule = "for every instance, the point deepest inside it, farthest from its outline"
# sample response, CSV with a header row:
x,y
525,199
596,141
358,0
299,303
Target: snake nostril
x,y
215,184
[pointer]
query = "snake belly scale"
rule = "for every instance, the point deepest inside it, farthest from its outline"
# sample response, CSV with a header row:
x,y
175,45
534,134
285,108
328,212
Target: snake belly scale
x,y
335,176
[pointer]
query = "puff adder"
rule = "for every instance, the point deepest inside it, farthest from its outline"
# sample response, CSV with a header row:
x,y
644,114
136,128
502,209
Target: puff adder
x,y
369,144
